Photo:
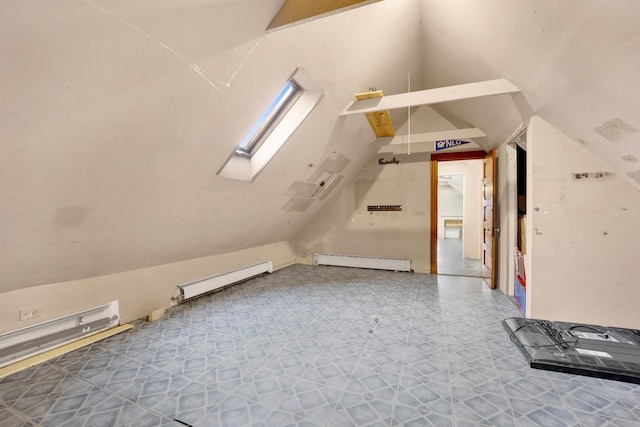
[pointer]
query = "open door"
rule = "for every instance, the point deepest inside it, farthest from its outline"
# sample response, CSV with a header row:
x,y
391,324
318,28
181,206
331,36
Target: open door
x,y
488,219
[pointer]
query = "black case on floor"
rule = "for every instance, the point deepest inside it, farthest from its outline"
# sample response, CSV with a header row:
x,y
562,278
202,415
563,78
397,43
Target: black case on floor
x,y
592,350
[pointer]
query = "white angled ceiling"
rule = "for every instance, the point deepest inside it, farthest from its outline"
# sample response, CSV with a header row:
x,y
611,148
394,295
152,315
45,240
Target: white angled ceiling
x,y
115,115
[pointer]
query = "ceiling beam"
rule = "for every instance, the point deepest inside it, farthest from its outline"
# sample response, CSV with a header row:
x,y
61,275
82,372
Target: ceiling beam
x,y
424,147
380,121
296,11
432,96
460,134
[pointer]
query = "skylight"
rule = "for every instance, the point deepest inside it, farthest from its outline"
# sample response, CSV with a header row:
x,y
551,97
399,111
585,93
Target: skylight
x,y
269,119
292,104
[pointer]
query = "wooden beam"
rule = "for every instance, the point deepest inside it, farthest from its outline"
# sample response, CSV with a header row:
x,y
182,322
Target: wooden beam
x,y
297,11
437,136
423,147
432,96
380,121
369,95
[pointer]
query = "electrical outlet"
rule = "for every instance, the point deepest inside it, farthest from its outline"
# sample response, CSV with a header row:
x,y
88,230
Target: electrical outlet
x,y
30,313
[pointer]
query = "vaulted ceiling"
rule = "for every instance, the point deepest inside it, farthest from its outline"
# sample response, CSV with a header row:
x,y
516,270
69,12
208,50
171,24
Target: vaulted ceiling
x,y
116,115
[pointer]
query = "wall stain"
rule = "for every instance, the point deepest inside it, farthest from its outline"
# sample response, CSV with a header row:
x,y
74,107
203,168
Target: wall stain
x,y
297,205
630,158
71,216
615,130
634,175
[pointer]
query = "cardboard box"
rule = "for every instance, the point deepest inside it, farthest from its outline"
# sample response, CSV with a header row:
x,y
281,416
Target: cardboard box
x,y
522,235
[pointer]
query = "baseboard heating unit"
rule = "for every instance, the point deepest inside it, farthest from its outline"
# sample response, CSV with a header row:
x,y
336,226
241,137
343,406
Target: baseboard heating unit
x,y
576,348
375,263
36,339
203,286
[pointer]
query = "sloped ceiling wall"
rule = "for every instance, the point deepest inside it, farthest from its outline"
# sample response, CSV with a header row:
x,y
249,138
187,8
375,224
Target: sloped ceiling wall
x,y
116,115
577,63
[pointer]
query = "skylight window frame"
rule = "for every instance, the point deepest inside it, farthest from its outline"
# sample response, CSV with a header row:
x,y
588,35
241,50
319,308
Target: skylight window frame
x,y
270,118
244,167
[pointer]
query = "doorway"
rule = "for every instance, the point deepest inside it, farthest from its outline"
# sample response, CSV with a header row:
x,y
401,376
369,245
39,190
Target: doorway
x,y
457,213
460,218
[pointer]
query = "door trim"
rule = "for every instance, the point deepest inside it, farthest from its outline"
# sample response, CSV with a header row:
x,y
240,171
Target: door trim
x,y
489,225
433,220
433,242
458,155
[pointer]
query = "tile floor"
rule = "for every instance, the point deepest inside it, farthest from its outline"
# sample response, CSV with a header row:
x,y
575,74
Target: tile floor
x,y
317,346
451,261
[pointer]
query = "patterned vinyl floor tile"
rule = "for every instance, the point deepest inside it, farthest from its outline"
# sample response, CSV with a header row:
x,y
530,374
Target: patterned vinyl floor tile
x,y
317,346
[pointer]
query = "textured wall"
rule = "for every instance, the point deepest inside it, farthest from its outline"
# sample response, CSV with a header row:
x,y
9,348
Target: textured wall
x,y
583,230
345,226
138,291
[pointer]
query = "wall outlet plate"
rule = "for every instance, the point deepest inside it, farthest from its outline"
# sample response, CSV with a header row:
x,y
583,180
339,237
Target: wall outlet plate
x,y
30,313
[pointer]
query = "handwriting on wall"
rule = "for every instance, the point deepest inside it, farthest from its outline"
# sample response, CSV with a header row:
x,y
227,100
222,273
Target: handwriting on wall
x,y
388,162
594,175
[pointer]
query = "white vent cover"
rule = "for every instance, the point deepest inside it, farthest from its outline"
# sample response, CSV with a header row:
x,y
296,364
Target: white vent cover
x,y
362,262
32,340
194,289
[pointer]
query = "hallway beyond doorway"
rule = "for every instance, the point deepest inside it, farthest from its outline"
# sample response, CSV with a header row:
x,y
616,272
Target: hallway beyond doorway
x,y
451,261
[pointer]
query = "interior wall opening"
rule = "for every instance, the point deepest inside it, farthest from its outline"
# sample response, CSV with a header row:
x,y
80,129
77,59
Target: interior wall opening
x,y
460,218
470,164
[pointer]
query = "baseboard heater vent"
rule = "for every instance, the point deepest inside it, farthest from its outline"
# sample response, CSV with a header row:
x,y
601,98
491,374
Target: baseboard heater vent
x,y
203,286
362,262
36,339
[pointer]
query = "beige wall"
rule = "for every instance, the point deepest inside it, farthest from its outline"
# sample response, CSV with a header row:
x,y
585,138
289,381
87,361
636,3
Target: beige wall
x,y
345,227
138,291
582,234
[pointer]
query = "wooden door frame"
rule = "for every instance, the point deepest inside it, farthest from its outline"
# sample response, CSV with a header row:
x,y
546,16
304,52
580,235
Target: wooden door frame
x,y
489,226
435,158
